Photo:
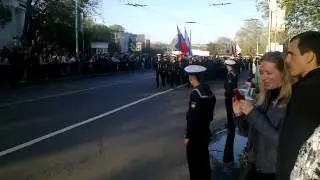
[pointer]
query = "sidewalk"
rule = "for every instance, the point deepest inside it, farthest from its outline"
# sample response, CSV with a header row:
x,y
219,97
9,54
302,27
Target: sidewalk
x,y
219,172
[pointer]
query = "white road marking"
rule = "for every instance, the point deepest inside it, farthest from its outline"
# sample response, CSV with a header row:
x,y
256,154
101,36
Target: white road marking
x,y
68,128
63,94
221,131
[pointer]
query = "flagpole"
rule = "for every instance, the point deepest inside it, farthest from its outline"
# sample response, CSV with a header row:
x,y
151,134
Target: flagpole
x,y
190,37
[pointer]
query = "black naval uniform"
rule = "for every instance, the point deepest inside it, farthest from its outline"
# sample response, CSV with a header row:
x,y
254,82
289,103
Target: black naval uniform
x,y
178,72
162,68
158,69
172,72
200,114
229,86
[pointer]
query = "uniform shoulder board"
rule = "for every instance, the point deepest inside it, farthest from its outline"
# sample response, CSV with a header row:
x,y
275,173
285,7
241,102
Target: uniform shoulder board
x,y
200,94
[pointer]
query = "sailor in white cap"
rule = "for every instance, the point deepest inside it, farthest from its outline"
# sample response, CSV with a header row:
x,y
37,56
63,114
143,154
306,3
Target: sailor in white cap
x,y
230,85
200,114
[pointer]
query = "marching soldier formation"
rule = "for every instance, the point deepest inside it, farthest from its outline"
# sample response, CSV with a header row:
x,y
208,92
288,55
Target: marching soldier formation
x,y
169,71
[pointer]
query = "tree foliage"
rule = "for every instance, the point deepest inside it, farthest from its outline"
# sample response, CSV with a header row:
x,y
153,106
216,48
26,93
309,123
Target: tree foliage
x,y
262,6
54,20
117,28
222,46
249,35
5,14
302,15
254,35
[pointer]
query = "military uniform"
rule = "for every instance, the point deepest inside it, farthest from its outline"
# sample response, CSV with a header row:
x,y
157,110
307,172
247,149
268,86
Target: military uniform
x,y
162,67
200,114
158,69
229,86
167,71
177,73
173,72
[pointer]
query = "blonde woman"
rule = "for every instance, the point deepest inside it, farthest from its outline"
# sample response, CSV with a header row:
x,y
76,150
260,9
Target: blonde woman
x,y
266,116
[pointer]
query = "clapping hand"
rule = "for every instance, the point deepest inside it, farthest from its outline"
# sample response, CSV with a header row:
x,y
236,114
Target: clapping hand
x,y
241,107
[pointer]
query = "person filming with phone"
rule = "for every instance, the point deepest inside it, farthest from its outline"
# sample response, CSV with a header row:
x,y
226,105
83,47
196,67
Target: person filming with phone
x,y
265,117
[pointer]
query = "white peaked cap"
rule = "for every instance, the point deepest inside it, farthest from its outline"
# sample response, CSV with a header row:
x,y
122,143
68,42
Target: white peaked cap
x,y
229,62
193,69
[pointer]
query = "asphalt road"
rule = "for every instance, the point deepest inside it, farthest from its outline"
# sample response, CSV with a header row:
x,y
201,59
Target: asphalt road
x,y
130,129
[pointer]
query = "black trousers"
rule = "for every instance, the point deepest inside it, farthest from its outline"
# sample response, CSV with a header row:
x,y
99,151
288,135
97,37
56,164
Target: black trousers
x,y
178,79
228,154
173,79
163,79
198,160
157,78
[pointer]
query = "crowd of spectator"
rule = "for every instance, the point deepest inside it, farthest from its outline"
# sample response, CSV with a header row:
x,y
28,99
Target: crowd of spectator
x,y
47,62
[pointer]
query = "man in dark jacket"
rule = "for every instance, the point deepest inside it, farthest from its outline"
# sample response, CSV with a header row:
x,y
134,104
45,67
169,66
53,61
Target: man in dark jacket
x,y
302,116
230,85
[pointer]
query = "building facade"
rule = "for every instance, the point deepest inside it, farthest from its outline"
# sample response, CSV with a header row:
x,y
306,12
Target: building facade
x,y
133,42
277,16
12,31
128,42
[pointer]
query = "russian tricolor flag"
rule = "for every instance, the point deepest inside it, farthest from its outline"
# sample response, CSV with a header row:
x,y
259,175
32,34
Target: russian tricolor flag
x,y
188,42
183,46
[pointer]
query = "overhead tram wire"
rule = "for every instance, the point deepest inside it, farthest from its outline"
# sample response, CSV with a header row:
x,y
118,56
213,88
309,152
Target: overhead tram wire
x,y
172,17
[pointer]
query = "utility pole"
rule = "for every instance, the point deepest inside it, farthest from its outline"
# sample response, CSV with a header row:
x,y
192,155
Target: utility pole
x,y
257,44
276,28
76,27
82,30
269,26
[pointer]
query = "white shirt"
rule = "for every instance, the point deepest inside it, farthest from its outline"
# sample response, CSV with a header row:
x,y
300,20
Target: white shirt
x,y
308,161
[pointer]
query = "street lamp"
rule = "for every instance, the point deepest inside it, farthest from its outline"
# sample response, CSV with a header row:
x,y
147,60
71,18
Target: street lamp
x,y
191,22
219,4
76,28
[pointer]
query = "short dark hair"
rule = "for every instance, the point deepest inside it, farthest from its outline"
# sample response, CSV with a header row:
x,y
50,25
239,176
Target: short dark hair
x,y
309,41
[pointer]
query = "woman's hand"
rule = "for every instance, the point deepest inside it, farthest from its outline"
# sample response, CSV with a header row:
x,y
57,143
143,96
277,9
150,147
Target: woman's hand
x,y
245,107
185,141
236,108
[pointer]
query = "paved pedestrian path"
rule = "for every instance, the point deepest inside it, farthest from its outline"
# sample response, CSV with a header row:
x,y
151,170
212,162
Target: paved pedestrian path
x,y
221,171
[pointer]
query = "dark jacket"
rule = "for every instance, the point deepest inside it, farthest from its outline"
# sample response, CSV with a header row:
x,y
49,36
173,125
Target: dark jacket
x,y
302,118
230,84
264,122
200,113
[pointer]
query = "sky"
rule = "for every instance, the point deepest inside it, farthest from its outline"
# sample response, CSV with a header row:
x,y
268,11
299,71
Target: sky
x,y
159,20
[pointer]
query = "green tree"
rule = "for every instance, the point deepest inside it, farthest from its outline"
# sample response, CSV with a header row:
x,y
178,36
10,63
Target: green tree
x,y
117,28
215,48
101,33
302,15
263,7
222,46
252,37
5,14
159,48
54,21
